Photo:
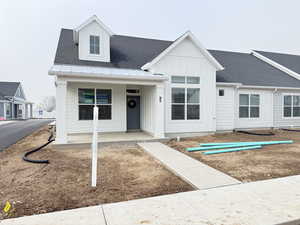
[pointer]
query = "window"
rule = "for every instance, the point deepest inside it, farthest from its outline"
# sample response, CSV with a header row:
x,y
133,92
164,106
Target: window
x,y
183,80
291,106
88,98
94,44
221,92
185,103
249,106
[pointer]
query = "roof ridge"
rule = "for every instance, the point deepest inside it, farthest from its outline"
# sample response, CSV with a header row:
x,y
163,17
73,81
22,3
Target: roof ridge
x,y
144,38
280,53
227,51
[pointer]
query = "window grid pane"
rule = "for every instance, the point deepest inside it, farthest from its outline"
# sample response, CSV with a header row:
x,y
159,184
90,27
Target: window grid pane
x,y
178,112
193,80
193,95
104,112
254,112
254,100
103,96
178,79
178,95
86,96
287,100
193,112
287,111
244,112
244,99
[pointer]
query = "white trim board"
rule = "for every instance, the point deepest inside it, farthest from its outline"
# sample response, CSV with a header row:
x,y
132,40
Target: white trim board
x,y
276,65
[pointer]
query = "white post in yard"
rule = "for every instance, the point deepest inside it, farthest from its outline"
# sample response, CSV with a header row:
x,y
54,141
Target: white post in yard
x,y
95,148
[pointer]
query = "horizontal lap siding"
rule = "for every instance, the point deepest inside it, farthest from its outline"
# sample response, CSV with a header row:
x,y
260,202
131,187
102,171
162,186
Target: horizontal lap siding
x,y
225,109
118,122
279,120
266,110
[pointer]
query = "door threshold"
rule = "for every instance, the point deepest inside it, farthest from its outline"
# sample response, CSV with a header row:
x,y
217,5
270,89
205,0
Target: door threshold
x,y
134,130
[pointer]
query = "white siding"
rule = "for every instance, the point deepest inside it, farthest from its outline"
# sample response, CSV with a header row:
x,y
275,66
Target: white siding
x,y
279,120
225,109
84,43
266,110
147,109
118,122
187,60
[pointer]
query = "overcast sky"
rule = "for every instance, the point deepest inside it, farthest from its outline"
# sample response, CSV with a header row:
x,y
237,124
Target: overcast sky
x,y
30,29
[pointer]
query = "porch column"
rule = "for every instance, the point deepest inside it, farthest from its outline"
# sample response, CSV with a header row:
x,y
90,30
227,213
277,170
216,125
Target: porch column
x,y
31,111
61,95
159,131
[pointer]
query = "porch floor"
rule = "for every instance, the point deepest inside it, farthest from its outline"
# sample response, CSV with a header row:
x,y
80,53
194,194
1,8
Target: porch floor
x,y
110,137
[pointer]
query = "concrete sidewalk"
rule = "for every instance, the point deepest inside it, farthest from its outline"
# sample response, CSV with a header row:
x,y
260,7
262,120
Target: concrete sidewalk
x,y
198,174
267,202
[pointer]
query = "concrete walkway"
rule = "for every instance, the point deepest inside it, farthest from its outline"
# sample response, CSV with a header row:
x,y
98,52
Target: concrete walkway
x,y
192,171
267,202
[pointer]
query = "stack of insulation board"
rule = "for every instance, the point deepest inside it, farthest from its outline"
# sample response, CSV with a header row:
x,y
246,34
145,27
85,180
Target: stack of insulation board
x,y
233,146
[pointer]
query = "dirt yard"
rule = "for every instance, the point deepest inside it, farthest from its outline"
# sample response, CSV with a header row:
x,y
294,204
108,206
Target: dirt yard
x,y
125,173
269,162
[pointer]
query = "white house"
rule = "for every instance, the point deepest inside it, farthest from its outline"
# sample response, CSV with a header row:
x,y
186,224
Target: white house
x,y
168,88
13,103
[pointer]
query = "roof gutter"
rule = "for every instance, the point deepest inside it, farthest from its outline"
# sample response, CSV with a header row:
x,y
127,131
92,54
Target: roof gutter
x,y
123,75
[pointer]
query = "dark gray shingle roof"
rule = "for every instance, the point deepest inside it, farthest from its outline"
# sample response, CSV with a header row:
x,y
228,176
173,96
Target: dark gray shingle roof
x,y
247,69
132,53
126,52
291,62
9,88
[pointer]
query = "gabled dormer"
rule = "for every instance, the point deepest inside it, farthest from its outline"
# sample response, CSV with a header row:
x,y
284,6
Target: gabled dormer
x,y
93,39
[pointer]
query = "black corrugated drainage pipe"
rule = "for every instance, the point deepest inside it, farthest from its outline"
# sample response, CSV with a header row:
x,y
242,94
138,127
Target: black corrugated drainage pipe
x,y
253,133
50,139
290,130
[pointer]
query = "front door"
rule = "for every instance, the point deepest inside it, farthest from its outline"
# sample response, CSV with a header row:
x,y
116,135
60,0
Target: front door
x,y
133,113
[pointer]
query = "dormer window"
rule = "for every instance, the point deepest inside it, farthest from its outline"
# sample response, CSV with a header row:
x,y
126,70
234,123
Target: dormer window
x,y
94,44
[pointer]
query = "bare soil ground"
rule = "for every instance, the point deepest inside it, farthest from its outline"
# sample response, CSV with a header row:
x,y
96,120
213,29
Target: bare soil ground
x,y
124,173
269,162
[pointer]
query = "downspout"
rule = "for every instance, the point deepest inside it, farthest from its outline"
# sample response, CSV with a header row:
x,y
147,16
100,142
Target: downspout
x,y
273,106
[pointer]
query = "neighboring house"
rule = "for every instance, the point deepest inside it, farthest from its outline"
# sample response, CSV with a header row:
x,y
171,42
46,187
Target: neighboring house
x,y
13,103
168,88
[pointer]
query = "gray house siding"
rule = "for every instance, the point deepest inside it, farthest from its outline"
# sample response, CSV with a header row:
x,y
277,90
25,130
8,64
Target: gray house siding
x,y
279,120
1,109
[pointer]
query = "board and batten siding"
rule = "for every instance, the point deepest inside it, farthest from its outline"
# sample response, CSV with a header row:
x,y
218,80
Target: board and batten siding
x,y
148,109
265,119
225,109
84,43
279,119
116,124
186,60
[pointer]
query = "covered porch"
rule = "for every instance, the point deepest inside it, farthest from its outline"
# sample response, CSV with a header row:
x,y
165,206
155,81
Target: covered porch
x,y
131,106
114,137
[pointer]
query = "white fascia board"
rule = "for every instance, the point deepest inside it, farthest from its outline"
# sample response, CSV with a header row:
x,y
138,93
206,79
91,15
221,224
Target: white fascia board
x,y
228,84
104,72
276,65
268,87
189,34
87,22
